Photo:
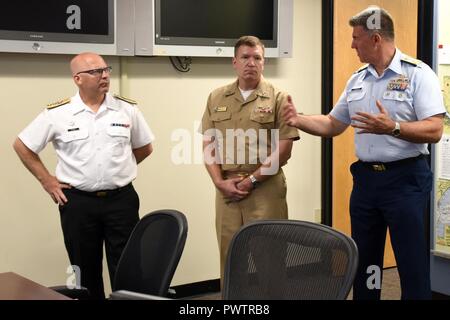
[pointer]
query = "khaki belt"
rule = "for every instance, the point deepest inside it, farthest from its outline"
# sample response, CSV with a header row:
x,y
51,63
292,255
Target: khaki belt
x,y
234,174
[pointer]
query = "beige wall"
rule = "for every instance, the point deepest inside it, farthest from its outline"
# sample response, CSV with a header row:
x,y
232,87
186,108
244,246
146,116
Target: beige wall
x,y
444,33
444,22
30,234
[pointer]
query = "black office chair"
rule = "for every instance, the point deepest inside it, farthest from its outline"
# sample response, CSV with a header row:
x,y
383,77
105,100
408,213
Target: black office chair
x,y
289,260
150,257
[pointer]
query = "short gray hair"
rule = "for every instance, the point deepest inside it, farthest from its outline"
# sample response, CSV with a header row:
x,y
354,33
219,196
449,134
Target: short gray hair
x,y
375,20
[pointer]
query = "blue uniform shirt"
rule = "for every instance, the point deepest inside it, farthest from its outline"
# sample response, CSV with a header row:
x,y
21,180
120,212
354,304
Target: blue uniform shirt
x,y
408,89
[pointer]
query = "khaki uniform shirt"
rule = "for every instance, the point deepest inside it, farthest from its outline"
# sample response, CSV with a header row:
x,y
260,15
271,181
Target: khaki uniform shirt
x,y
245,130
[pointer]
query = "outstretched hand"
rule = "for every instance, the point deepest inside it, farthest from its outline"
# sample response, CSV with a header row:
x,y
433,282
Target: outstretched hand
x,y
290,115
380,123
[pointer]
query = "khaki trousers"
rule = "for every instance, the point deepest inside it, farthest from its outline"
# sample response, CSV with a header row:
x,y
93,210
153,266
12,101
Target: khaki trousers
x,y
267,201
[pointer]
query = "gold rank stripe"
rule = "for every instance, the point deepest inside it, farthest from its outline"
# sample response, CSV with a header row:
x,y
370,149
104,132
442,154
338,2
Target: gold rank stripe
x,y
125,99
408,59
58,104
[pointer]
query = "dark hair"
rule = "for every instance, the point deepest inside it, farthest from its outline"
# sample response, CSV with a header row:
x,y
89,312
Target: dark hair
x,y
250,41
375,20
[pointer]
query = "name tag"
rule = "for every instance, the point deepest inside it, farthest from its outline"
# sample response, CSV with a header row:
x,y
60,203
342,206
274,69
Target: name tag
x,y
221,109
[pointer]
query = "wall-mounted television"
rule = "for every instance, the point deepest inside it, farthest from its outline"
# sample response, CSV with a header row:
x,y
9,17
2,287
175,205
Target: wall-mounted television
x,y
67,26
211,27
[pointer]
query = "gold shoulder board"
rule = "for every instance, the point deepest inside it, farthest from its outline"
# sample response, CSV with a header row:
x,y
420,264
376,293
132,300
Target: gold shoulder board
x,y
58,104
408,59
125,99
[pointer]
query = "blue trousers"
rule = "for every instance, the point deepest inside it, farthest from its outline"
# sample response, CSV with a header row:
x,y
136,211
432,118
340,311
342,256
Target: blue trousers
x,y
391,195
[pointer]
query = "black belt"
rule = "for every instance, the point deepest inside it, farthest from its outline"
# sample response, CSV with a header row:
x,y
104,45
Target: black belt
x,y
102,193
383,166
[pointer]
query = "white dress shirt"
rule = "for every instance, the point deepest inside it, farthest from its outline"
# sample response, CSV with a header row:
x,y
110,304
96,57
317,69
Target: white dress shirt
x,y
94,149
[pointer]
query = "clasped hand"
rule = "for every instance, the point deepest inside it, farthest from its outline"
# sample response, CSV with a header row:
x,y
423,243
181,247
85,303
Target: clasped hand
x,y
235,189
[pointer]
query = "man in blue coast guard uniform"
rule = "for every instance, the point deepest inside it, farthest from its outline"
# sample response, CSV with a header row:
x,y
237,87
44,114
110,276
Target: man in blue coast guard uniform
x,y
396,106
99,140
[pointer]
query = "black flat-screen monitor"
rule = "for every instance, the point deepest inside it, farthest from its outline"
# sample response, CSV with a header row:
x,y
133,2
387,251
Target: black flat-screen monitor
x,y
210,28
67,26
90,21
215,22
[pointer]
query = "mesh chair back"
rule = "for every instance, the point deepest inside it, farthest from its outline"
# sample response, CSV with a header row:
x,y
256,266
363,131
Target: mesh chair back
x,y
289,260
152,253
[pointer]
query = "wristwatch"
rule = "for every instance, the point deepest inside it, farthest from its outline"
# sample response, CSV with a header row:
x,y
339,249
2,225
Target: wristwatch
x,y
253,180
396,131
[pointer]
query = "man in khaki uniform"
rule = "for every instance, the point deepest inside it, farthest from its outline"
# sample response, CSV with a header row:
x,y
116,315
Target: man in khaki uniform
x,y
246,141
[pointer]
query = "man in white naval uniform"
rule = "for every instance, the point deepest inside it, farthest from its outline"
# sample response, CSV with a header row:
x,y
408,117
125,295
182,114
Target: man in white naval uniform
x,y
99,140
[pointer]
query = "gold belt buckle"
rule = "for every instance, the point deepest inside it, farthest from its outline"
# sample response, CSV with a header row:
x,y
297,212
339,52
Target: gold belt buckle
x,y
379,167
243,174
101,194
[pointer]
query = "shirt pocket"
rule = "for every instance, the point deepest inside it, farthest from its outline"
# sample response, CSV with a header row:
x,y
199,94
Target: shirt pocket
x,y
119,139
75,135
263,120
395,96
119,132
356,95
76,143
399,105
221,122
220,116
356,101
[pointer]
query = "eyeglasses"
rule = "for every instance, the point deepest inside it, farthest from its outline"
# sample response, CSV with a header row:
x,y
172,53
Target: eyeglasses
x,y
97,72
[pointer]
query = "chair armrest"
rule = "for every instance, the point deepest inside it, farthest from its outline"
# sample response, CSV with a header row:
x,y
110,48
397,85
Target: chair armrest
x,y
129,295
